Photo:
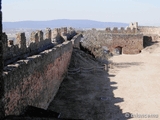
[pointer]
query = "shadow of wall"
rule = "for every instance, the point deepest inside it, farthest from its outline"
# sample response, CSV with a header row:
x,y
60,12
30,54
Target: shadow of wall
x,y
87,95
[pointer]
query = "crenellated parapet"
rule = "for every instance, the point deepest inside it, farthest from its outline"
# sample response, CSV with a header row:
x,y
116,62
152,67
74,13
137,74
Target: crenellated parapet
x,y
68,33
115,30
72,32
121,30
56,36
21,40
37,43
40,35
55,32
33,78
64,33
108,29
34,37
48,33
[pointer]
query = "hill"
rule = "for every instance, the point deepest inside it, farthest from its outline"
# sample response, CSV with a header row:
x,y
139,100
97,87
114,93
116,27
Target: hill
x,y
61,23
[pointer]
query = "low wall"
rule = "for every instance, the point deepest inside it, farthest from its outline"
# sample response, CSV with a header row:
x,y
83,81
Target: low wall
x,y
149,30
35,80
153,32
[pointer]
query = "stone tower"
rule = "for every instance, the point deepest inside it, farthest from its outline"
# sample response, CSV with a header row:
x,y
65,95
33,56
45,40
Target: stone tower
x,y
133,25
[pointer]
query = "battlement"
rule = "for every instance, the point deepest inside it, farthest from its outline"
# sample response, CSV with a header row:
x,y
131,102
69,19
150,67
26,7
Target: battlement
x,y
8,69
32,74
35,77
121,30
37,43
20,49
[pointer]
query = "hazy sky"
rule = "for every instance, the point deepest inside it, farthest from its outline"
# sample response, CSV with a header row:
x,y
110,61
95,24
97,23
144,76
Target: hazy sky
x,y
146,12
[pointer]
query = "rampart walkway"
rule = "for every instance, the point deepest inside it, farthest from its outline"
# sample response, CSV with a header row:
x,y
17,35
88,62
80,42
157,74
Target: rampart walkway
x,y
88,94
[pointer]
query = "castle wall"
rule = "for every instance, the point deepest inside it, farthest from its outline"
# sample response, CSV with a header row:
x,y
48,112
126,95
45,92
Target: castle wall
x,y
20,50
130,43
153,32
121,30
38,42
149,30
76,41
34,73
35,80
56,36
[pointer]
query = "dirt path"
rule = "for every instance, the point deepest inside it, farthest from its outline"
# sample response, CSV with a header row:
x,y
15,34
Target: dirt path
x,y
138,82
132,87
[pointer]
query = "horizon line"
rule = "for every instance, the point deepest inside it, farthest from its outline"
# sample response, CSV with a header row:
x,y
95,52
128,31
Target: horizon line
x,y
64,19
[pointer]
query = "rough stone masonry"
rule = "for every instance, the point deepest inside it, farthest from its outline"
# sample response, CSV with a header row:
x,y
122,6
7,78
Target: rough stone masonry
x,y
1,68
34,73
35,80
128,40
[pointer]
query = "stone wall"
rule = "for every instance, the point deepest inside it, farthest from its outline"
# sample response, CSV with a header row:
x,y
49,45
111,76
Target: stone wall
x,y
121,30
37,43
20,50
147,31
36,79
153,32
65,33
33,73
56,36
1,69
130,43
76,41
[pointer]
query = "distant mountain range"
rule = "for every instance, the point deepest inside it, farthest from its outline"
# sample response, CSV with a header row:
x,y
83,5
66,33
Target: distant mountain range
x,y
61,23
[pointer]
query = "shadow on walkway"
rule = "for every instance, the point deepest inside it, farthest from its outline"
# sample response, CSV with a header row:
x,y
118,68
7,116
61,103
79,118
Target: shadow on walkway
x,y
88,95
